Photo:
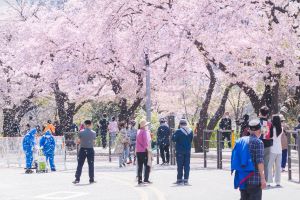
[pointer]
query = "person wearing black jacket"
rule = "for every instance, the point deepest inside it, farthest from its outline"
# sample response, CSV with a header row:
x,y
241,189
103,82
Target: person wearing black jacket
x,y
103,129
266,137
225,125
163,140
244,126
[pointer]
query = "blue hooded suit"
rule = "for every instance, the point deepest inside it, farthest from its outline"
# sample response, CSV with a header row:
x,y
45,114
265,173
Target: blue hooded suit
x,y
47,143
28,147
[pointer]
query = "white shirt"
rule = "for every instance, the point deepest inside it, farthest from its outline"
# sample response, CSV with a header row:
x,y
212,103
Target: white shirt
x,y
276,148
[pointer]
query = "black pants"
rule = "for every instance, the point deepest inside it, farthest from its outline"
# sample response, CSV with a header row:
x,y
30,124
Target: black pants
x,y
103,138
164,153
90,155
227,136
142,159
252,192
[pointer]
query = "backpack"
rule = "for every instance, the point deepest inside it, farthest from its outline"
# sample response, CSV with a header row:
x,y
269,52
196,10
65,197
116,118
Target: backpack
x,y
266,130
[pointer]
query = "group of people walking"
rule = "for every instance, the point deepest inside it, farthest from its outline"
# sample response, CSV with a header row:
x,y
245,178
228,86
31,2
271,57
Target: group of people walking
x,y
259,157
139,140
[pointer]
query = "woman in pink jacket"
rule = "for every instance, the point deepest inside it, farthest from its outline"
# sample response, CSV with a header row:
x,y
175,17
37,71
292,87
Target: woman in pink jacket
x,y
142,144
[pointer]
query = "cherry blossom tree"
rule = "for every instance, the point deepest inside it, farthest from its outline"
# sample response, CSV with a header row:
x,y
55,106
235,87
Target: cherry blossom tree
x,y
246,44
21,80
92,49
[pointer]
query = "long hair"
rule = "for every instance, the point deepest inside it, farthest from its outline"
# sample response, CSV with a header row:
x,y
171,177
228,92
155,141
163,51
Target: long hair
x,y
276,122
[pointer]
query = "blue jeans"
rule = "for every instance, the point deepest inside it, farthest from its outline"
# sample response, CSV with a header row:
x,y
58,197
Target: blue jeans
x,y
50,159
29,159
112,140
284,158
131,151
183,165
123,157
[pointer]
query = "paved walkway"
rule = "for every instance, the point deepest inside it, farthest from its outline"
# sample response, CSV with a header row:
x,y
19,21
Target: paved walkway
x,y
119,184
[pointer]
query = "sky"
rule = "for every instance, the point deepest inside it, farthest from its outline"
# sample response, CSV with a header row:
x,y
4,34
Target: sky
x,y
3,5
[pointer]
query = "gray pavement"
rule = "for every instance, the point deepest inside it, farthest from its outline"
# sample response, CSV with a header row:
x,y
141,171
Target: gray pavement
x,y
119,184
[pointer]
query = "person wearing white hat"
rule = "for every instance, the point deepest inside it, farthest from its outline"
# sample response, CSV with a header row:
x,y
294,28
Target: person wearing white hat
x,y
142,144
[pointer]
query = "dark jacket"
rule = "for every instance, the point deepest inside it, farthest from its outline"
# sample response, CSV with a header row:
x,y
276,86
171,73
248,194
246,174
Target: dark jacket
x,y
225,124
297,127
244,129
103,124
183,139
163,135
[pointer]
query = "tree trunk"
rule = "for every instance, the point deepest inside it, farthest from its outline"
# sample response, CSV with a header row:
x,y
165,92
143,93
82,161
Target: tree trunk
x,y
70,116
275,95
15,114
203,119
204,110
65,110
8,121
128,112
66,114
124,115
291,101
220,111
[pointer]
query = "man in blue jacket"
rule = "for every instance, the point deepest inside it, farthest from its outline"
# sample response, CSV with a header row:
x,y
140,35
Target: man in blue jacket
x,y
256,181
47,143
28,148
163,141
241,163
183,138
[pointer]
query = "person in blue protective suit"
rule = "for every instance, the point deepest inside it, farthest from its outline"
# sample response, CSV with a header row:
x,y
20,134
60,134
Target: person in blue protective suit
x,y
28,148
47,143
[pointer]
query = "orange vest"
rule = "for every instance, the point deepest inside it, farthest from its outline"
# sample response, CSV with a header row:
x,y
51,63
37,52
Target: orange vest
x,y
50,128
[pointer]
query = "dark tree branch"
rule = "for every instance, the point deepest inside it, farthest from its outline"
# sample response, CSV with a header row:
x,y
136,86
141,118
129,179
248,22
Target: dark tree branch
x,y
79,106
160,57
220,112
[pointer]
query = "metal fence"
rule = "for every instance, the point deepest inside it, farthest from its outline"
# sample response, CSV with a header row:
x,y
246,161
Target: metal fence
x,y
293,144
12,154
293,149
218,142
